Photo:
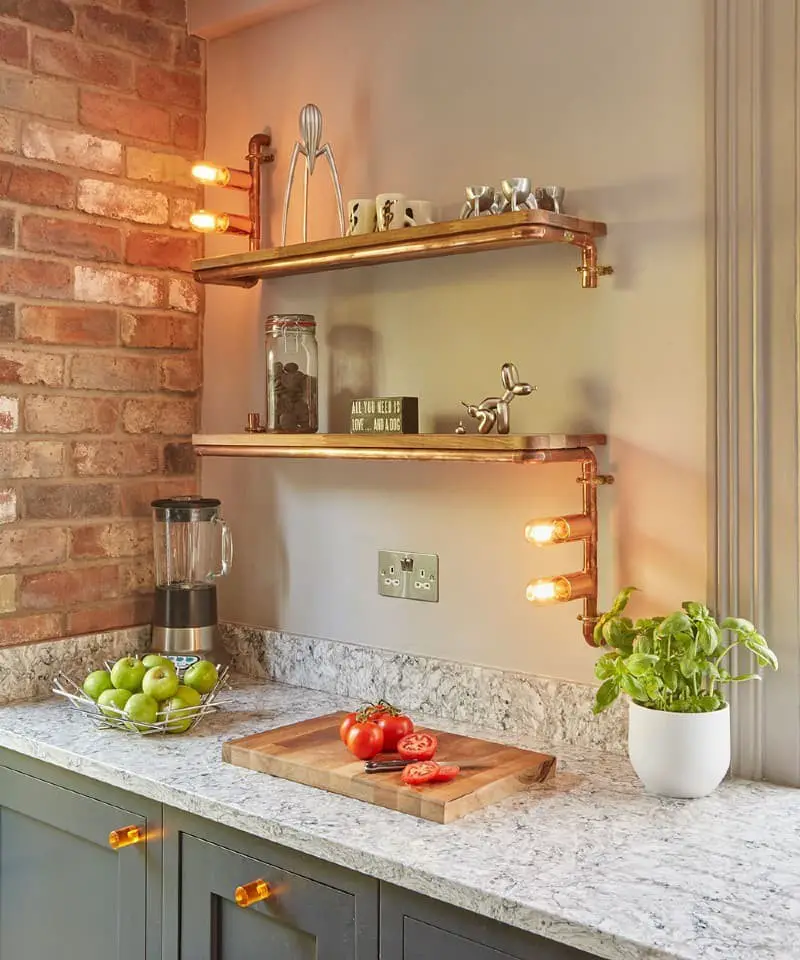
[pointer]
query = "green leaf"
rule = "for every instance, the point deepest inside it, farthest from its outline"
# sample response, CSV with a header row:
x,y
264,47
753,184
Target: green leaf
x,y
670,677
675,624
738,625
606,694
695,610
621,600
652,687
706,637
762,653
689,667
640,663
632,687
605,666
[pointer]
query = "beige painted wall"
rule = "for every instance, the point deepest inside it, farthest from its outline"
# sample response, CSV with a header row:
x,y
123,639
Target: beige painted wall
x,y
423,98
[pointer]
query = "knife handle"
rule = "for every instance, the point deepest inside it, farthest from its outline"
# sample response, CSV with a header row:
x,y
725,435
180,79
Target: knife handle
x,y
378,766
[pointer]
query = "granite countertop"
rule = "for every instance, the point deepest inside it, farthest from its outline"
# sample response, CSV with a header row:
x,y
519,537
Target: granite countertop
x,y
588,860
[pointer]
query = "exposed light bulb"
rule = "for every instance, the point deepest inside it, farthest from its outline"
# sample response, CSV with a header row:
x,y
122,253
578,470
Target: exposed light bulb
x,y
206,221
566,586
545,530
211,174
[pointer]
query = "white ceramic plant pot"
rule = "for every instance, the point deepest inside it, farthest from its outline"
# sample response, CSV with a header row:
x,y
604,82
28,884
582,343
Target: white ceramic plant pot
x,y
679,754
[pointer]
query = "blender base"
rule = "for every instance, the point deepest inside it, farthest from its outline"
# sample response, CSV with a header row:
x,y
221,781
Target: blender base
x,y
203,642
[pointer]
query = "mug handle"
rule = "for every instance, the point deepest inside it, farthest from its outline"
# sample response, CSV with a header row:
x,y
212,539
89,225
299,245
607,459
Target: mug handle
x,y
408,219
226,548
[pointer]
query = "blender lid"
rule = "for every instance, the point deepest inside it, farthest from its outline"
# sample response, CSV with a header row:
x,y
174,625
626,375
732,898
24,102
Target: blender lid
x,y
185,509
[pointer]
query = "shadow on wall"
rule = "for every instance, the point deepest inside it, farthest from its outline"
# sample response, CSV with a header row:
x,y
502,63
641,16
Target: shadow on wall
x,y
352,354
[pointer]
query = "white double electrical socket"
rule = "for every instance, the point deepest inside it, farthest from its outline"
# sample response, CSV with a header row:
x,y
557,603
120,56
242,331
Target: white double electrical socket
x,y
409,576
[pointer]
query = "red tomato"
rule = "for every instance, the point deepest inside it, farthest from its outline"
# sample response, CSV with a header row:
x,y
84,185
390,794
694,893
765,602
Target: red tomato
x,y
394,729
365,740
344,729
417,746
446,772
415,774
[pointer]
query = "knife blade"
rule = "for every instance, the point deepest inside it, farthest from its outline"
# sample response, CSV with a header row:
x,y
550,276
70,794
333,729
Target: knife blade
x,y
382,766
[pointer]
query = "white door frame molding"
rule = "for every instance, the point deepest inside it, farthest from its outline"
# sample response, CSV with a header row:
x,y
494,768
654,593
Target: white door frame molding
x,y
754,237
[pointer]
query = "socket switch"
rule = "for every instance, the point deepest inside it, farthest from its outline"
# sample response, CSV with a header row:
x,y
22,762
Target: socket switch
x,y
409,576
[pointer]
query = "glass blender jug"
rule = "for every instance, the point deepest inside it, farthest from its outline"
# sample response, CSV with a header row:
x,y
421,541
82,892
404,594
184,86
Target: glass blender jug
x,y
192,547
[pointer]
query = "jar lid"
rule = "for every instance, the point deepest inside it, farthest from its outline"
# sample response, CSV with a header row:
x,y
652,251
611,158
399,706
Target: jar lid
x,y
302,320
185,509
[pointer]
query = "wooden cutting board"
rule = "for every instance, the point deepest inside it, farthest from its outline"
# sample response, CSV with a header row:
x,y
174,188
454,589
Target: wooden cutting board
x,y
312,753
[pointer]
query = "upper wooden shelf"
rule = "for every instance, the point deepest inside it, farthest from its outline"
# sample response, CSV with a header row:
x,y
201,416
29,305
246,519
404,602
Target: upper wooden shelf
x,y
410,243
511,448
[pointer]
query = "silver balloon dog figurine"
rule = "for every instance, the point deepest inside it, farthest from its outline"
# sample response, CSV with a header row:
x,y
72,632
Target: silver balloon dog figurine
x,y
493,411
309,146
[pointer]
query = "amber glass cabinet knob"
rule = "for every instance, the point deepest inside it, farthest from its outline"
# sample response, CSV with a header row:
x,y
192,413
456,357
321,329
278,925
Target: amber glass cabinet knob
x,y
253,892
126,837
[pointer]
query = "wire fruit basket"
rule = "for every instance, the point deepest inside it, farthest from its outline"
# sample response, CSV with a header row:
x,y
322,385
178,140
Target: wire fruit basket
x,y
172,720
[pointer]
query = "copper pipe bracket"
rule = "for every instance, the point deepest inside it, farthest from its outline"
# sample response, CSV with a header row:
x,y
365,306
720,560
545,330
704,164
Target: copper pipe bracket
x,y
259,152
590,480
589,269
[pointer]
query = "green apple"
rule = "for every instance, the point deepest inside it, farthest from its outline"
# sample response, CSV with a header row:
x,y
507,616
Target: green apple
x,y
96,683
127,674
189,695
156,660
112,702
160,683
181,714
141,710
201,676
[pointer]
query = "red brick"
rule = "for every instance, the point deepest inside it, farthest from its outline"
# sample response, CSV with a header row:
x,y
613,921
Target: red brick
x,y
161,250
25,459
9,140
17,630
35,278
169,87
113,458
159,168
31,367
125,538
137,577
190,52
187,131
112,286
56,145
61,588
32,546
70,414
79,239
34,187
137,497
132,118
170,11
92,371
161,330
181,374
68,325
121,202
38,95
8,327
183,295
69,501
51,14
123,32
14,44
179,458
65,58
7,228
8,505
109,616
175,417
9,414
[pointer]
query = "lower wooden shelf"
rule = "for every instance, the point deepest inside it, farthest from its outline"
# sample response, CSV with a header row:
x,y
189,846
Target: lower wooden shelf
x,y
511,448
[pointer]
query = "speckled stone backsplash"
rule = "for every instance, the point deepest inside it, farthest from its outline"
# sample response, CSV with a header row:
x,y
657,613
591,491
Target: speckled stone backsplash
x,y
556,711
27,671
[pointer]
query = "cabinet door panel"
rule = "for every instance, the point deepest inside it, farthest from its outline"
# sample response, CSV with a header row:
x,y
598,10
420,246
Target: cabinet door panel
x,y
302,919
62,888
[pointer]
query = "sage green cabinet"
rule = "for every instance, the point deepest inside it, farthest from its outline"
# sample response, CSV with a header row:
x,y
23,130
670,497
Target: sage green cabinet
x,y
63,890
314,911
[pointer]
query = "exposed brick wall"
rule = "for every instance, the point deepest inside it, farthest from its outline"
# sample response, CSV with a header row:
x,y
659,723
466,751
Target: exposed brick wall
x,y
101,112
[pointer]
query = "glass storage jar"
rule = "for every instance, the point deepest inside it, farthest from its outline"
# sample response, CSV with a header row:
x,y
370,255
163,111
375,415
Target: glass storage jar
x,y
291,345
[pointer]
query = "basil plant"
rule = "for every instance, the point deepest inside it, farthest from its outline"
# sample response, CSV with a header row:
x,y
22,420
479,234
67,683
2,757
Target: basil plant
x,y
676,663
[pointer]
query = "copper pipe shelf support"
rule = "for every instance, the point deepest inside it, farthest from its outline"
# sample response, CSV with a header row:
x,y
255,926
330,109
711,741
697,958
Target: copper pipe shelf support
x,y
589,268
590,480
259,152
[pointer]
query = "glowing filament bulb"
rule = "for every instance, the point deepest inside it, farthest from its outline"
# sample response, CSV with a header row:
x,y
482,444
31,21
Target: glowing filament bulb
x,y
540,532
545,530
211,174
541,591
205,221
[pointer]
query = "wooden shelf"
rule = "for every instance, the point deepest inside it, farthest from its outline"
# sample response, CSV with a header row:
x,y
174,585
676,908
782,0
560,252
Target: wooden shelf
x,y
411,243
511,448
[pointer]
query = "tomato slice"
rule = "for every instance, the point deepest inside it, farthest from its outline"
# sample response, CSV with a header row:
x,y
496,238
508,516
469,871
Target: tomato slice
x,y
417,746
446,772
415,774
